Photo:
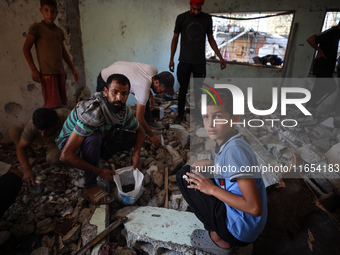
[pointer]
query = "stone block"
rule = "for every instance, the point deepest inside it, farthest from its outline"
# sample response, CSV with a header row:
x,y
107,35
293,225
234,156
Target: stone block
x,y
333,154
161,231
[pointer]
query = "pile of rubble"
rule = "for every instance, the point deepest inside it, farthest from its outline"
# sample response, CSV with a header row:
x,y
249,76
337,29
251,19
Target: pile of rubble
x,y
312,146
55,218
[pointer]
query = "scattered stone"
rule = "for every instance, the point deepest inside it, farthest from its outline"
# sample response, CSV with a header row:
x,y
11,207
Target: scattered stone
x,y
172,178
158,179
336,122
158,200
21,230
42,251
45,226
320,132
72,235
309,155
183,137
47,241
125,211
333,154
85,214
323,144
328,122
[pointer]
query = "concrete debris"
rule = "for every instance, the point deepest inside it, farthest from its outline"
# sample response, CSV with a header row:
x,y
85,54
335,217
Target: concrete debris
x,y
158,179
158,230
333,155
42,213
328,123
42,251
158,200
125,211
309,155
183,137
321,131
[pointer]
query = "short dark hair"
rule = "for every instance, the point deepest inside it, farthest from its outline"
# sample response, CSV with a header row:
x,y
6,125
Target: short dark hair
x,y
45,118
226,99
119,78
49,3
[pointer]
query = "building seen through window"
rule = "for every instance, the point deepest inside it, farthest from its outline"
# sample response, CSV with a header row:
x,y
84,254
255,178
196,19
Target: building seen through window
x,y
252,38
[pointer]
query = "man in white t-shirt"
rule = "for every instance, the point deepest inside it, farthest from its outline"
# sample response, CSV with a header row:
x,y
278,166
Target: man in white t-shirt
x,y
143,78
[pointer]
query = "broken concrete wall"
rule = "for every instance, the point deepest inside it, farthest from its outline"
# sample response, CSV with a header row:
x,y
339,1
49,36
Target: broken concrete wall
x,y
19,94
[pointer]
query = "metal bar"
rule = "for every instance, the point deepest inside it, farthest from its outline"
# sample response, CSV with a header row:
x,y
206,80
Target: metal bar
x,y
99,237
166,205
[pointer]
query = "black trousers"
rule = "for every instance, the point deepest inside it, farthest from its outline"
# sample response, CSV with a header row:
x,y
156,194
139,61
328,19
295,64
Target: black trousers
x,y
324,86
184,71
208,209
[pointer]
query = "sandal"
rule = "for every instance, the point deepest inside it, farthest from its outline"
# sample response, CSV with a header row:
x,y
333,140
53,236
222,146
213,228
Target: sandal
x,y
200,239
97,197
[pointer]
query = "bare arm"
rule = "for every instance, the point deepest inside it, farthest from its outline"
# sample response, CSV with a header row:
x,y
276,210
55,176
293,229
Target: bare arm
x,y
68,61
29,176
138,145
69,156
213,45
140,117
250,201
30,39
174,43
312,42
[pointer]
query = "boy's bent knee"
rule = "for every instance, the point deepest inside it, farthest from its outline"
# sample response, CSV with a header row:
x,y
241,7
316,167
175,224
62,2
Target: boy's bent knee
x,y
181,173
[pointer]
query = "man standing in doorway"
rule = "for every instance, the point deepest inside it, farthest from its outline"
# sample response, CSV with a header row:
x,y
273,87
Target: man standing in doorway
x,y
193,26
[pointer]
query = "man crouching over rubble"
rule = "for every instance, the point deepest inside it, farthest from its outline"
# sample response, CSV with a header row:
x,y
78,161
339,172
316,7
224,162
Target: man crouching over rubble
x,y
93,122
42,129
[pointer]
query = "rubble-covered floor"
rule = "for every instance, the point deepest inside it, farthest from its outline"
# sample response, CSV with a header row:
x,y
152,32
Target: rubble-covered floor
x,y
296,224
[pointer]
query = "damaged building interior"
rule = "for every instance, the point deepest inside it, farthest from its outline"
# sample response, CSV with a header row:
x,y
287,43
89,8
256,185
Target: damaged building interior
x,y
264,44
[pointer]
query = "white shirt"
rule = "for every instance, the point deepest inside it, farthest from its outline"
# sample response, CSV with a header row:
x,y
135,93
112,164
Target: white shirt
x,y
140,76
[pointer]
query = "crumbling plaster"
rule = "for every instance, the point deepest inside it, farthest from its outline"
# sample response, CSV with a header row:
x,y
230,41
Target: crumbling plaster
x,y
141,31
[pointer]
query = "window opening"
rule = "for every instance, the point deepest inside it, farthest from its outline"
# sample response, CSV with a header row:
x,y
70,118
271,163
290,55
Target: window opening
x,y
252,38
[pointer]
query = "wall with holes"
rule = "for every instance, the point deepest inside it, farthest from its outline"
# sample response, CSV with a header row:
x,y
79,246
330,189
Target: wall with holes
x,y
19,94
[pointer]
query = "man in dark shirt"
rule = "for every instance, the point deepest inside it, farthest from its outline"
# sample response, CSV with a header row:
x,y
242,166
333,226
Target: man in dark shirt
x,y
326,43
193,26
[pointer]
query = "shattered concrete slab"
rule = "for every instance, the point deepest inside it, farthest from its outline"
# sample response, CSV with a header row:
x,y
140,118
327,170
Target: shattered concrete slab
x,y
99,219
161,231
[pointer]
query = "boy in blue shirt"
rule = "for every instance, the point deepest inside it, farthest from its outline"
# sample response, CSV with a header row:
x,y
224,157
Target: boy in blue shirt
x,y
233,205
